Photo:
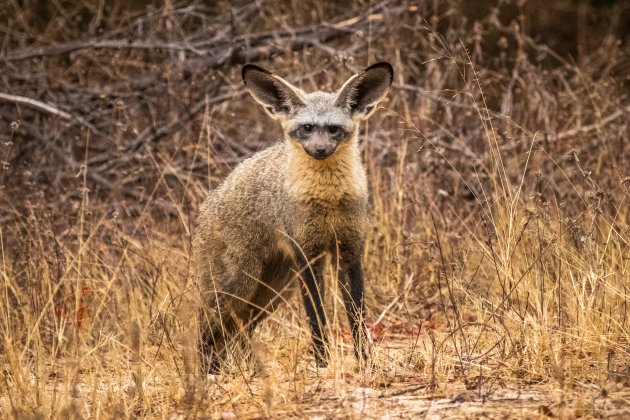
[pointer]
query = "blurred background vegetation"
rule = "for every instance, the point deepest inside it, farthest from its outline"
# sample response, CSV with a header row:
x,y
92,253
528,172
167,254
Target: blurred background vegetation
x,y
131,97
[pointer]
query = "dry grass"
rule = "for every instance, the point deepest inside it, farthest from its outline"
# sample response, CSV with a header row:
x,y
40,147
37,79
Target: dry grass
x,y
497,267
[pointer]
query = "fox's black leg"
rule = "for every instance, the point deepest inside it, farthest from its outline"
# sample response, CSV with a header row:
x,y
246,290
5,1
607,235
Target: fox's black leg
x,y
313,295
351,285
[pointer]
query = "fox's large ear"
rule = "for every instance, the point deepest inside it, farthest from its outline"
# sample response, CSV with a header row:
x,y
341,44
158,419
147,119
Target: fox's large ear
x,y
363,91
275,94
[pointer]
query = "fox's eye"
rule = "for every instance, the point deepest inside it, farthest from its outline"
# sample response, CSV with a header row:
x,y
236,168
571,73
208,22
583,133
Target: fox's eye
x,y
333,129
307,128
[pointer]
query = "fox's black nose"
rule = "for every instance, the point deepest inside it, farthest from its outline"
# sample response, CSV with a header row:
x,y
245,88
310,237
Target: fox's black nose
x,y
319,152
322,152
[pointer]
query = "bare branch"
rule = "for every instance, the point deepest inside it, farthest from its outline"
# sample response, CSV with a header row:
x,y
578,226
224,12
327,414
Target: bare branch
x,y
42,106
34,103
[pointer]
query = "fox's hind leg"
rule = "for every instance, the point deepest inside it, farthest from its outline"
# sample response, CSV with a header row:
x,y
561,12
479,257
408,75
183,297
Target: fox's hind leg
x,y
224,318
215,334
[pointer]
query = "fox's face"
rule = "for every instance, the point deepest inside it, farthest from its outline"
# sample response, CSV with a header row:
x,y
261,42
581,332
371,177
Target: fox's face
x,y
319,122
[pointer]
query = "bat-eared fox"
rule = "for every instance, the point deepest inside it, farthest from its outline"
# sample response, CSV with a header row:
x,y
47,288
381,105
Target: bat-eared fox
x,y
282,212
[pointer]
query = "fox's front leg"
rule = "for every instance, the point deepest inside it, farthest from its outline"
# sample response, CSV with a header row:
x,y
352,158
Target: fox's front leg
x,y
352,288
312,287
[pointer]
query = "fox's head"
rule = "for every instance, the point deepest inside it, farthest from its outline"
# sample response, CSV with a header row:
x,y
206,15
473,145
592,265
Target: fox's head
x,y
320,121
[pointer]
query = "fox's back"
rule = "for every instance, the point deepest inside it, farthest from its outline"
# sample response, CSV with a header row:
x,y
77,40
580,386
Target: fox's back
x,y
245,210
251,190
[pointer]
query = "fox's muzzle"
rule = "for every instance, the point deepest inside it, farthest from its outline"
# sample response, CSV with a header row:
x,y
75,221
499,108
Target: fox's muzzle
x,y
320,146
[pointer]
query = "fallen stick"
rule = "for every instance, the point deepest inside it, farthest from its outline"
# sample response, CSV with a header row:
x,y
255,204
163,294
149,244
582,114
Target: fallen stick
x,y
43,106
34,103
